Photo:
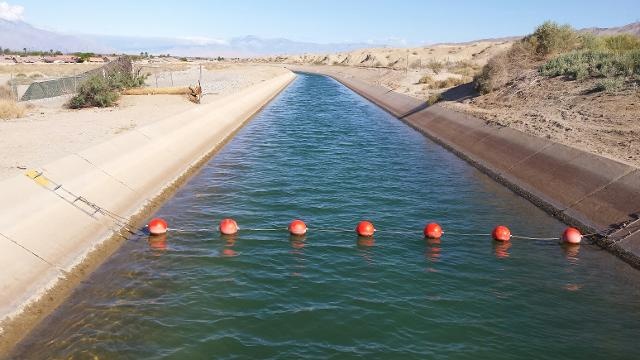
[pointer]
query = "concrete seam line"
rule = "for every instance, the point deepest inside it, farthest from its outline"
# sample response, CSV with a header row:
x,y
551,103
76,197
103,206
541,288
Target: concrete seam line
x,y
104,172
530,156
34,254
599,189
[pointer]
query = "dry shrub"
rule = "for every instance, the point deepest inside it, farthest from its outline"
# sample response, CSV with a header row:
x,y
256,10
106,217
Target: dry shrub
x,y
435,65
547,40
9,109
434,98
501,68
464,68
6,93
451,82
427,80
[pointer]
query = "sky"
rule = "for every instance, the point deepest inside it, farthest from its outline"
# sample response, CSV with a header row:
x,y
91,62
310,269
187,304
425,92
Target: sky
x,y
398,22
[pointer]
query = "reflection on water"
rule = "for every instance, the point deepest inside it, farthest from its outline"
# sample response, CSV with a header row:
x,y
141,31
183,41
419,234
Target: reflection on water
x,y
366,241
433,250
365,246
501,249
433,253
158,243
297,241
229,243
571,252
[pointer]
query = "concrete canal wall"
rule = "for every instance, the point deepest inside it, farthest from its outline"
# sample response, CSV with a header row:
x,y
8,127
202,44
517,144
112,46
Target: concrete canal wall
x,y
594,193
46,232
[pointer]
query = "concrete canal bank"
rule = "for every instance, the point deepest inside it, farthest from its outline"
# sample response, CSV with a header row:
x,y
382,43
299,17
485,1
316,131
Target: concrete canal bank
x,y
60,222
594,193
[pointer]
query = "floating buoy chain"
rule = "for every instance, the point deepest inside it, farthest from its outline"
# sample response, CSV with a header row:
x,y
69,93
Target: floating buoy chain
x,y
297,227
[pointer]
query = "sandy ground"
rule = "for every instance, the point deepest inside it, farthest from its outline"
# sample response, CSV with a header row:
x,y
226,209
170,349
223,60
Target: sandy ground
x,y
568,112
50,131
401,69
398,58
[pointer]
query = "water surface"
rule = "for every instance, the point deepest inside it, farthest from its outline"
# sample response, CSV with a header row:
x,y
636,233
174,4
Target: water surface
x,y
323,154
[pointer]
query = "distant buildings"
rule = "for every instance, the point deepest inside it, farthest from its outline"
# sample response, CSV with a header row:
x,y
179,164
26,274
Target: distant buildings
x,y
53,59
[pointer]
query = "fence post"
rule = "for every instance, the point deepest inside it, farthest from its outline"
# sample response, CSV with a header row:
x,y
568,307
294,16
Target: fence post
x,y
156,79
200,78
14,89
171,74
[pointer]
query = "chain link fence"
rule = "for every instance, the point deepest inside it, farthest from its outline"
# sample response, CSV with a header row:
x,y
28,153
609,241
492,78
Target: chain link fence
x,y
70,84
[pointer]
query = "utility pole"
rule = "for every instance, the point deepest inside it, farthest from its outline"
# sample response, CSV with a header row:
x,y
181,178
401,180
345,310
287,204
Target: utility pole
x,y
406,69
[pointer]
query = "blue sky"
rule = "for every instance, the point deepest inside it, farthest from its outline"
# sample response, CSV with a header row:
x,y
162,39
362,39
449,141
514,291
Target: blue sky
x,y
413,22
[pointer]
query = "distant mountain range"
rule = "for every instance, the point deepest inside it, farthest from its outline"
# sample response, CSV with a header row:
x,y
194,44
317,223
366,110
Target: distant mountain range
x,y
236,47
633,28
18,34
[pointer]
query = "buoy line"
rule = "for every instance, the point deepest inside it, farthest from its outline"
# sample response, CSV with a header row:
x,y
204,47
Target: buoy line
x,y
228,226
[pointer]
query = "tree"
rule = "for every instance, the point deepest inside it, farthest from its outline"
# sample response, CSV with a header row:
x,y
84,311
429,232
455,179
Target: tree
x,y
25,50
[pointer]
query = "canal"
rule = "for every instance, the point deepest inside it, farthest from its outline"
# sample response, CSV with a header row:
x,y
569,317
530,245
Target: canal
x,y
323,154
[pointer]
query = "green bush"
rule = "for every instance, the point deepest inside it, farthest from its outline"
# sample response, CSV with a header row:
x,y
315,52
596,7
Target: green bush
x,y
99,91
616,43
552,38
84,56
94,92
593,63
610,84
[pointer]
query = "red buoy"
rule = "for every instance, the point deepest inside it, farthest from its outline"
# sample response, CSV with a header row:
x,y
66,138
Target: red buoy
x,y
228,227
433,231
365,228
501,233
571,236
297,227
157,226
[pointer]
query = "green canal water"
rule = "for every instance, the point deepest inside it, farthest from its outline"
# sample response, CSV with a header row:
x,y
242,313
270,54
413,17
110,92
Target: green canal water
x,y
321,153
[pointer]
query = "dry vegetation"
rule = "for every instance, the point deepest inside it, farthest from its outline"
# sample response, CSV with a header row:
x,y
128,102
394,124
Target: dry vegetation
x,y
163,68
575,88
555,50
9,108
50,70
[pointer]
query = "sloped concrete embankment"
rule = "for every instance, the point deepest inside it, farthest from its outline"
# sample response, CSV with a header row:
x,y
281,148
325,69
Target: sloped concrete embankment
x,y
594,193
45,234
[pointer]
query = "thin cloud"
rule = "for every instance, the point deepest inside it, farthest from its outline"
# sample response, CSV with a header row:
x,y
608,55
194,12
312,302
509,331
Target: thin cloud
x,y
11,12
